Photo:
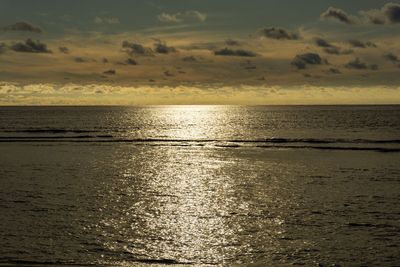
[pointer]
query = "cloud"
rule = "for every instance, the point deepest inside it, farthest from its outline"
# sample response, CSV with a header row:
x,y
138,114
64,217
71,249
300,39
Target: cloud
x,y
391,57
136,49
392,12
237,53
322,43
338,15
110,72
374,16
337,51
360,44
232,42
301,61
330,48
359,65
164,17
83,60
279,34
201,46
106,20
30,46
63,49
129,61
23,27
388,14
162,48
168,73
182,16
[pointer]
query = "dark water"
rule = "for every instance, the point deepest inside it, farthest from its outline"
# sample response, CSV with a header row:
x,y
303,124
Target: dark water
x,y
200,185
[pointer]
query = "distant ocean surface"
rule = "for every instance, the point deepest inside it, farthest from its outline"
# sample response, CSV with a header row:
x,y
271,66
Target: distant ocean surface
x,y
200,185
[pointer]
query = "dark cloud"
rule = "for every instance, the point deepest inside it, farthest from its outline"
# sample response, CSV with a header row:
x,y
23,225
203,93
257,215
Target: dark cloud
x,y
23,27
391,57
83,60
110,72
30,46
301,61
330,48
337,51
129,61
359,65
168,73
392,12
201,46
232,42
356,64
337,14
388,14
63,50
279,34
162,48
237,53
136,49
360,44
322,43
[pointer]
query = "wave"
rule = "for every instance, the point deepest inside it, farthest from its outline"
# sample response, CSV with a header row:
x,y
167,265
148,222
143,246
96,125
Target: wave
x,y
223,142
149,261
49,130
232,144
377,149
56,137
43,263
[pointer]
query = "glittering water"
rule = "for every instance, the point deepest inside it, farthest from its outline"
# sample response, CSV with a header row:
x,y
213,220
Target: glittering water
x,y
269,186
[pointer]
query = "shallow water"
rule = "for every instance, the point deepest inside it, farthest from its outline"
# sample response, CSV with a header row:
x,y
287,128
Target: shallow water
x,y
194,185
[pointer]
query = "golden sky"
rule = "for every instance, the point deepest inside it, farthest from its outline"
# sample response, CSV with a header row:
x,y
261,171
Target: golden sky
x,y
199,52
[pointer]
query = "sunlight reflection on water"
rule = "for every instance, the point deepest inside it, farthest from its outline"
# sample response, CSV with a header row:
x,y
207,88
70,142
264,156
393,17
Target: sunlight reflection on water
x,y
196,205
197,122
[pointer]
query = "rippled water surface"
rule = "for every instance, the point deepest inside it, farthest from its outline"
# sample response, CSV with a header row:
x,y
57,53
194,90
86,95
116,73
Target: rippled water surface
x,y
268,186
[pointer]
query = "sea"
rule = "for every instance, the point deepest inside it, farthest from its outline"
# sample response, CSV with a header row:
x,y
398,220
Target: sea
x,y
200,186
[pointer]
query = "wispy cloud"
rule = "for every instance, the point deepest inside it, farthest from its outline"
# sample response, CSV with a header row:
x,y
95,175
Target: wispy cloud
x,y
182,16
106,20
337,14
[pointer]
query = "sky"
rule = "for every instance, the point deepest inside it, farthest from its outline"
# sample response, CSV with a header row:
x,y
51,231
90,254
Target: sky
x,y
256,52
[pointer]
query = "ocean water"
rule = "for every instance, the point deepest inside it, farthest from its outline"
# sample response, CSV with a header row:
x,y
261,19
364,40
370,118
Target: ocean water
x,y
200,186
